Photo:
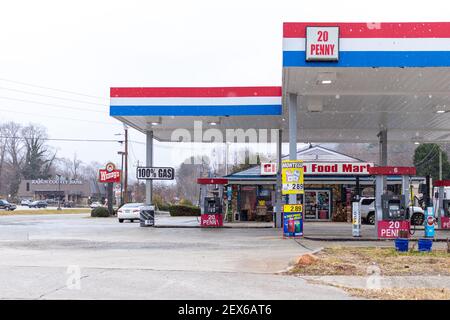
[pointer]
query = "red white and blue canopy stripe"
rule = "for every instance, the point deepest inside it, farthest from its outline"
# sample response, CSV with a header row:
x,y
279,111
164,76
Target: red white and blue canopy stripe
x,y
195,101
375,45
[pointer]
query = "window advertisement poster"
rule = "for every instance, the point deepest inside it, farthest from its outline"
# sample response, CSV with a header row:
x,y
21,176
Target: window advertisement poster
x,y
292,220
292,177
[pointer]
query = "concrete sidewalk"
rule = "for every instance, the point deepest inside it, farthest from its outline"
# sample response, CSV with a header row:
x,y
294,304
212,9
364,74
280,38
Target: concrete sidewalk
x,y
319,231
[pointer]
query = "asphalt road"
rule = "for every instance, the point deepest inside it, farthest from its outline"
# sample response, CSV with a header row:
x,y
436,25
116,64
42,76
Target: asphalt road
x,y
42,256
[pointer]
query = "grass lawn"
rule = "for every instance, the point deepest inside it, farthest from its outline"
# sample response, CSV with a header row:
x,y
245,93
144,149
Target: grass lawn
x,y
45,211
354,261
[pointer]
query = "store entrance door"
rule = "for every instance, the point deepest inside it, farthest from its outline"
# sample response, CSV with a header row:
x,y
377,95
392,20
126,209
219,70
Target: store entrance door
x,y
317,204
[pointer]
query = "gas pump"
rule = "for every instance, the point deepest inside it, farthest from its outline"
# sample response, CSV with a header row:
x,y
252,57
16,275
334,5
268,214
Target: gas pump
x,y
391,211
394,207
442,207
211,205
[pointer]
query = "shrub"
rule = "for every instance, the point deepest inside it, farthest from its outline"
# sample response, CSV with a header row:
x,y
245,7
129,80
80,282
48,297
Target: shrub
x,y
181,210
100,212
185,202
164,207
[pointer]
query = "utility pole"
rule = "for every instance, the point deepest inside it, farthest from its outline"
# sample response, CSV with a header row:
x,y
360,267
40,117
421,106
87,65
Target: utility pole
x,y
59,192
125,182
122,154
440,164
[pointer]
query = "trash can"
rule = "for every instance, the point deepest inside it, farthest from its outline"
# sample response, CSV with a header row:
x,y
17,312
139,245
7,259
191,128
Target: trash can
x,y
425,245
401,245
147,216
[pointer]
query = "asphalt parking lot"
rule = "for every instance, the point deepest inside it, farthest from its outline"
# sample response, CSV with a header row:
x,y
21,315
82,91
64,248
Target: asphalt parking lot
x,y
43,254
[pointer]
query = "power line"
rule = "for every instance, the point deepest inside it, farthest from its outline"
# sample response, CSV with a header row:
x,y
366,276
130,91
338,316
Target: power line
x,y
60,106
50,96
61,139
69,139
425,160
63,118
53,89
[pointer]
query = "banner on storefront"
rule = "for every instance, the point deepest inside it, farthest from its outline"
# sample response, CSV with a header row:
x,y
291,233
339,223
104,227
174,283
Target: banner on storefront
x,y
292,177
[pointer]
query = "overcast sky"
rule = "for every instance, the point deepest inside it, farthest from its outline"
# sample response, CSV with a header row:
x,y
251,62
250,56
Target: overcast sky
x,y
87,47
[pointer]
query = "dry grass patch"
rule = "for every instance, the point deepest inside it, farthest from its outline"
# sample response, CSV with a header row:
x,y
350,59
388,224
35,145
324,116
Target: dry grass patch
x,y
355,261
401,293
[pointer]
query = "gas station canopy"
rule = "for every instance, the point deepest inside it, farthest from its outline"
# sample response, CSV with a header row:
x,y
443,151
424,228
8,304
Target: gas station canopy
x,y
379,76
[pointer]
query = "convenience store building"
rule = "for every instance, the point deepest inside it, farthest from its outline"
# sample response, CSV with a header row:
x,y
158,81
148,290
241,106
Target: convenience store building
x,y
330,184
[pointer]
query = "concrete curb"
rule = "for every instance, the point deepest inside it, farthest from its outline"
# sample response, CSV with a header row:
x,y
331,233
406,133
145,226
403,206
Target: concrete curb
x,y
361,239
224,227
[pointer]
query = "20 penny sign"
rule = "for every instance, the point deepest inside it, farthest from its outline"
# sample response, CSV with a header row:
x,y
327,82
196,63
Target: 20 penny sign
x,y
322,43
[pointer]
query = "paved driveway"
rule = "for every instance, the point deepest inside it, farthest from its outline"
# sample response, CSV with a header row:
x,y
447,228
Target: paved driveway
x,y
41,255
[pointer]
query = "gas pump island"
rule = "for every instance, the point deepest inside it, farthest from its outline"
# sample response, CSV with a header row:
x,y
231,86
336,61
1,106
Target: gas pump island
x,y
211,202
442,206
391,211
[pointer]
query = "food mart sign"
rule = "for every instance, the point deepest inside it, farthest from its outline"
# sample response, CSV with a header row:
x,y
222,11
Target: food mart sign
x,y
340,168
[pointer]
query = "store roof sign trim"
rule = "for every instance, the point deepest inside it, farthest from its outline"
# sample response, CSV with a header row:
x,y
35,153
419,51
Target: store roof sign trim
x,y
188,101
374,45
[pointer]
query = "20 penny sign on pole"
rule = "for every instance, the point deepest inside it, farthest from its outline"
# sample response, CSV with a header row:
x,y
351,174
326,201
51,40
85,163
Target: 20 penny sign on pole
x,y
155,173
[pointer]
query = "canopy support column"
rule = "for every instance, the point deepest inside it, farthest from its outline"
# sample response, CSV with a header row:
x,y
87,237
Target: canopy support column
x,y
278,197
149,163
380,182
292,105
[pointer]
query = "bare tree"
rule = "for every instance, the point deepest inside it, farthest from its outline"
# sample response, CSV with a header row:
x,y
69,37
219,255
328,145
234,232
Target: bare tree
x,y
70,168
3,143
187,174
14,148
38,156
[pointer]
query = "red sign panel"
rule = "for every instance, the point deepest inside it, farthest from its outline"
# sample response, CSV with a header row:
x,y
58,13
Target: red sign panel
x,y
393,171
441,183
106,177
389,229
445,222
212,181
211,220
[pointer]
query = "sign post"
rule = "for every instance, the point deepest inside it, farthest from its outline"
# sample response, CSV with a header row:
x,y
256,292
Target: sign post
x,y
292,177
109,175
292,184
155,173
293,220
147,213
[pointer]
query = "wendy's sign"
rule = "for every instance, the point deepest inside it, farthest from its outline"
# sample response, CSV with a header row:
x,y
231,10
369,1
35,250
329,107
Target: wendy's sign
x,y
109,174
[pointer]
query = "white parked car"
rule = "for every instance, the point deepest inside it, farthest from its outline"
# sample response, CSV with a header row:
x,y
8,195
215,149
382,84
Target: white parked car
x,y
367,205
25,202
95,205
129,211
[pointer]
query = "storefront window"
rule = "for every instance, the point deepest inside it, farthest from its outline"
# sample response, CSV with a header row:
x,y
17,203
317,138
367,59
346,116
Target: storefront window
x,y
317,204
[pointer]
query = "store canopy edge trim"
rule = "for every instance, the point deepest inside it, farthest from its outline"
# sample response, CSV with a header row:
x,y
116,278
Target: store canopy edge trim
x,y
374,45
195,101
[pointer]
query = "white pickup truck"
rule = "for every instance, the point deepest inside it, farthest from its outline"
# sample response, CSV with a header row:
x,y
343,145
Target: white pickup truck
x,y
367,205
